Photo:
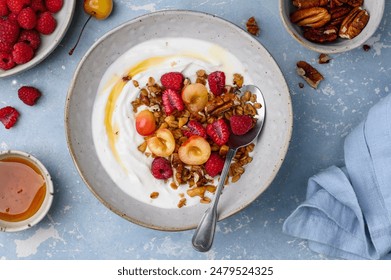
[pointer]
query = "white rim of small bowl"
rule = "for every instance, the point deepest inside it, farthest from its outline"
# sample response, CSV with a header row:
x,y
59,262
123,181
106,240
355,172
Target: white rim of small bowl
x,y
354,43
44,53
47,202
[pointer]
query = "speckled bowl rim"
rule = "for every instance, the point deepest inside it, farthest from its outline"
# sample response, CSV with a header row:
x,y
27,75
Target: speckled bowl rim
x,y
71,149
330,48
47,202
50,41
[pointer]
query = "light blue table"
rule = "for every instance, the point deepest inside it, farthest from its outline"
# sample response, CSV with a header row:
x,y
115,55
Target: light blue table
x,y
78,226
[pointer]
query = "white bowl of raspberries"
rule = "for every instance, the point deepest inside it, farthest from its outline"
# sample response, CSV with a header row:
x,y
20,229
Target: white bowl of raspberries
x,y
30,30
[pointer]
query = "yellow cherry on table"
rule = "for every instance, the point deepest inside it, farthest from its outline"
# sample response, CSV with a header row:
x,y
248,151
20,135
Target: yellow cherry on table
x,y
99,9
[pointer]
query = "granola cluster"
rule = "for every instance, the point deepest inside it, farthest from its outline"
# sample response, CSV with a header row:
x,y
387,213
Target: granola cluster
x,y
180,121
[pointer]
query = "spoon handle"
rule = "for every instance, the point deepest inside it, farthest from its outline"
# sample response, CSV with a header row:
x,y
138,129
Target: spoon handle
x,y
204,234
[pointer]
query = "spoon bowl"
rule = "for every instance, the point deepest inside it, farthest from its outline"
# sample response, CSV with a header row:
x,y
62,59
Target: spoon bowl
x,y
204,234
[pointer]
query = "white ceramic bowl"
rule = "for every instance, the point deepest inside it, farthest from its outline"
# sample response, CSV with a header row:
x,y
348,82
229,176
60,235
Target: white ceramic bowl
x,y
269,151
375,9
48,42
47,202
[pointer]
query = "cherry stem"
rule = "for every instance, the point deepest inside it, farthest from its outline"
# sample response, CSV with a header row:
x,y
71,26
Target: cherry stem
x,y
78,39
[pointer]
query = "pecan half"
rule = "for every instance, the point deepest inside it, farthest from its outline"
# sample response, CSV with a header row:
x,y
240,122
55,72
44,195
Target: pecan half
x,y
338,14
353,3
354,23
312,17
252,26
335,3
304,4
323,34
309,74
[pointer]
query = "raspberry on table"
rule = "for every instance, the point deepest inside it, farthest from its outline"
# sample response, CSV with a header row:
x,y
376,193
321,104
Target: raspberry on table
x,y
30,37
172,80
214,165
9,30
216,81
240,124
4,11
16,6
218,131
161,168
54,6
8,116
27,18
6,61
29,95
22,53
46,23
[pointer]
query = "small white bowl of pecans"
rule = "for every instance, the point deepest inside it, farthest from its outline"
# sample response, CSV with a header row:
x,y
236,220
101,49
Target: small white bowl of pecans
x,y
331,26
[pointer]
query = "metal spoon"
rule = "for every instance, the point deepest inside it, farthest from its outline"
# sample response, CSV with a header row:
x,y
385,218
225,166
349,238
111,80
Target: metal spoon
x,y
204,234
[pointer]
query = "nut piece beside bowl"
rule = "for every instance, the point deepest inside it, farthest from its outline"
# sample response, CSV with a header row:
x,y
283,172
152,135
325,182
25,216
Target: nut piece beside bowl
x,y
331,26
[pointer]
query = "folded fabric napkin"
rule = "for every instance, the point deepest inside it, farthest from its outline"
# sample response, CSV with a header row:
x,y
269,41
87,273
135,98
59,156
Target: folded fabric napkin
x,y
347,212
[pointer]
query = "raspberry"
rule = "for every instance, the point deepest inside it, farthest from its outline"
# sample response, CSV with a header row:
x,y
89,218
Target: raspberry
x,y
53,5
13,17
22,53
29,95
214,165
194,128
46,23
216,82
27,18
6,61
240,124
218,131
8,116
172,80
5,47
4,8
38,6
31,38
9,31
161,168
171,101
16,6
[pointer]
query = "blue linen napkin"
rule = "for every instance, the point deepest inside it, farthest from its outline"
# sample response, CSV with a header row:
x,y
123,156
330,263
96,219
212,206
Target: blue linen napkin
x,y
347,212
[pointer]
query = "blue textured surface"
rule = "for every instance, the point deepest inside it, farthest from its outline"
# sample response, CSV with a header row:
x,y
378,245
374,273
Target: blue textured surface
x,y
78,226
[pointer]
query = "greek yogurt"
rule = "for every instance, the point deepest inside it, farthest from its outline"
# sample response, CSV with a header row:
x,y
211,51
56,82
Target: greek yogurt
x,y
113,120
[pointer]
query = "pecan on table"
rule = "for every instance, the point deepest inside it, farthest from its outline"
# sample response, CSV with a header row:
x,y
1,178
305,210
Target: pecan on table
x,y
309,74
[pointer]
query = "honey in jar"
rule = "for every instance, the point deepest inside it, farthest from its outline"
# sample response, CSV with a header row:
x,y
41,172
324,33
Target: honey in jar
x,y
22,189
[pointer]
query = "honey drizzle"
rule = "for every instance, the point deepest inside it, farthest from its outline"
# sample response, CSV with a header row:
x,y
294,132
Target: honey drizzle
x,y
37,201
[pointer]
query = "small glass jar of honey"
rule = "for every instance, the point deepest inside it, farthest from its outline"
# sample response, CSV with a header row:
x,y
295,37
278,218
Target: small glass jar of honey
x,y
26,191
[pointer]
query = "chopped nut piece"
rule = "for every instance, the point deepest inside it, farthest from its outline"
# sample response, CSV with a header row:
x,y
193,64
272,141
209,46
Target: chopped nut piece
x,y
238,80
135,83
309,74
182,202
154,195
252,26
323,58
366,47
